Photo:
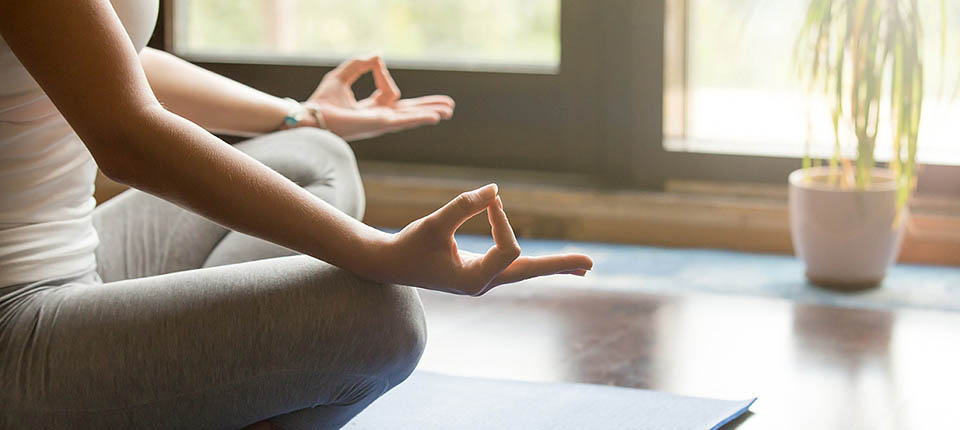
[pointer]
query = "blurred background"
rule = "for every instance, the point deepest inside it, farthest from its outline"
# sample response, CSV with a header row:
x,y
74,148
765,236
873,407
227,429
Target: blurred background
x,y
730,75
670,122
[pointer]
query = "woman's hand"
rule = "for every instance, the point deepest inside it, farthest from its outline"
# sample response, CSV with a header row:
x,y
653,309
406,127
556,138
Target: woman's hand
x,y
382,112
425,254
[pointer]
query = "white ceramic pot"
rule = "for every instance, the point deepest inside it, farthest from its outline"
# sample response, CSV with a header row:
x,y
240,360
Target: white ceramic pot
x,y
847,238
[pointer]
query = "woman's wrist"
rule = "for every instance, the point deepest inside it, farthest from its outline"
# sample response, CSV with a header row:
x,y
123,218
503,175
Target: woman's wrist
x,y
303,114
315,113
373,255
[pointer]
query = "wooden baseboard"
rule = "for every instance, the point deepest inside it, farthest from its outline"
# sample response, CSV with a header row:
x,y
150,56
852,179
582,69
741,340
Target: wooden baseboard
x,y
736,217
743,217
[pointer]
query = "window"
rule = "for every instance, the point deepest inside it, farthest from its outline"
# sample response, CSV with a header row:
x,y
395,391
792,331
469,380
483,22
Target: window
x,y
524,73
443,34
736,89
614,93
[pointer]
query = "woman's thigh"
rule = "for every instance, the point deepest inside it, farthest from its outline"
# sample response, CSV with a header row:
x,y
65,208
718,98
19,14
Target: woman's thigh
x,y
142,235
210,348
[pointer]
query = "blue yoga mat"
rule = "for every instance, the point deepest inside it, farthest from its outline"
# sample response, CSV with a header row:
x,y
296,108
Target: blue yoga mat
x,y
430,401
682,271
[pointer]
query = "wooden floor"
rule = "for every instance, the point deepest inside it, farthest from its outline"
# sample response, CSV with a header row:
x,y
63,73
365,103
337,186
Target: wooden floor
x,y
812,367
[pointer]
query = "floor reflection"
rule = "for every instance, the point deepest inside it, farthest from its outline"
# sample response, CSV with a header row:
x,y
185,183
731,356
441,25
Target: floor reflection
x,y
842,367
810,366
925,361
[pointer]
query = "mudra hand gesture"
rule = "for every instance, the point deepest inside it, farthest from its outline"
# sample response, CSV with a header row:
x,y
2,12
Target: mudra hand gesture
x,y
425,253
382,112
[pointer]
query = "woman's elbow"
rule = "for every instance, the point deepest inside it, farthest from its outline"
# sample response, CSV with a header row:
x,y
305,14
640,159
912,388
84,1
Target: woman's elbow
x,y
117,169
114,157
119,151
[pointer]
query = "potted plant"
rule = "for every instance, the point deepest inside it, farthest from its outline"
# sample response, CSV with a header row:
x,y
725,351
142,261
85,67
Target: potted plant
x,y
847,215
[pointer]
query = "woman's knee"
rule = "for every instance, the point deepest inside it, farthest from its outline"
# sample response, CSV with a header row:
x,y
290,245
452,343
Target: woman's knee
x,y
339,167
332,146
402,331
380,328
315,159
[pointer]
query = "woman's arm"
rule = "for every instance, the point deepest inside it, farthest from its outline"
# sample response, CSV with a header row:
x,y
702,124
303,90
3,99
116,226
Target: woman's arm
x,y
212,101
220,104
79,53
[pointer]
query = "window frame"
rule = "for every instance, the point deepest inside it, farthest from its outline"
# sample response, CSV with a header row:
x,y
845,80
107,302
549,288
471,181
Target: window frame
x,y
608,92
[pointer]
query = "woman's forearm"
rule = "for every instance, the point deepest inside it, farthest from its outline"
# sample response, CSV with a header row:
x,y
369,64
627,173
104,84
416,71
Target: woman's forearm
x,y
180,162
212,101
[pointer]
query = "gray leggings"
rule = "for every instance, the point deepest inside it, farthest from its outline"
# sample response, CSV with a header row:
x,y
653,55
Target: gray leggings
x,y
167,340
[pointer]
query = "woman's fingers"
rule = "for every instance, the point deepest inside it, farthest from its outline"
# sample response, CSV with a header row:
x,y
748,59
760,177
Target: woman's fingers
x,y
445,112
531,267
442,112
349,71
500,226
402,120
387,89
388,113
354,124
578,272
505,249
427,100
376,100
452,215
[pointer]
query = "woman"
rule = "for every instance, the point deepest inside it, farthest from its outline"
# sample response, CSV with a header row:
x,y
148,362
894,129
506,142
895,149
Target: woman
x,y
140,314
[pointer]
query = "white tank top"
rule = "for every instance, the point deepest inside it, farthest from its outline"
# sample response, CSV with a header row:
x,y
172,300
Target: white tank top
x,y
46,174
